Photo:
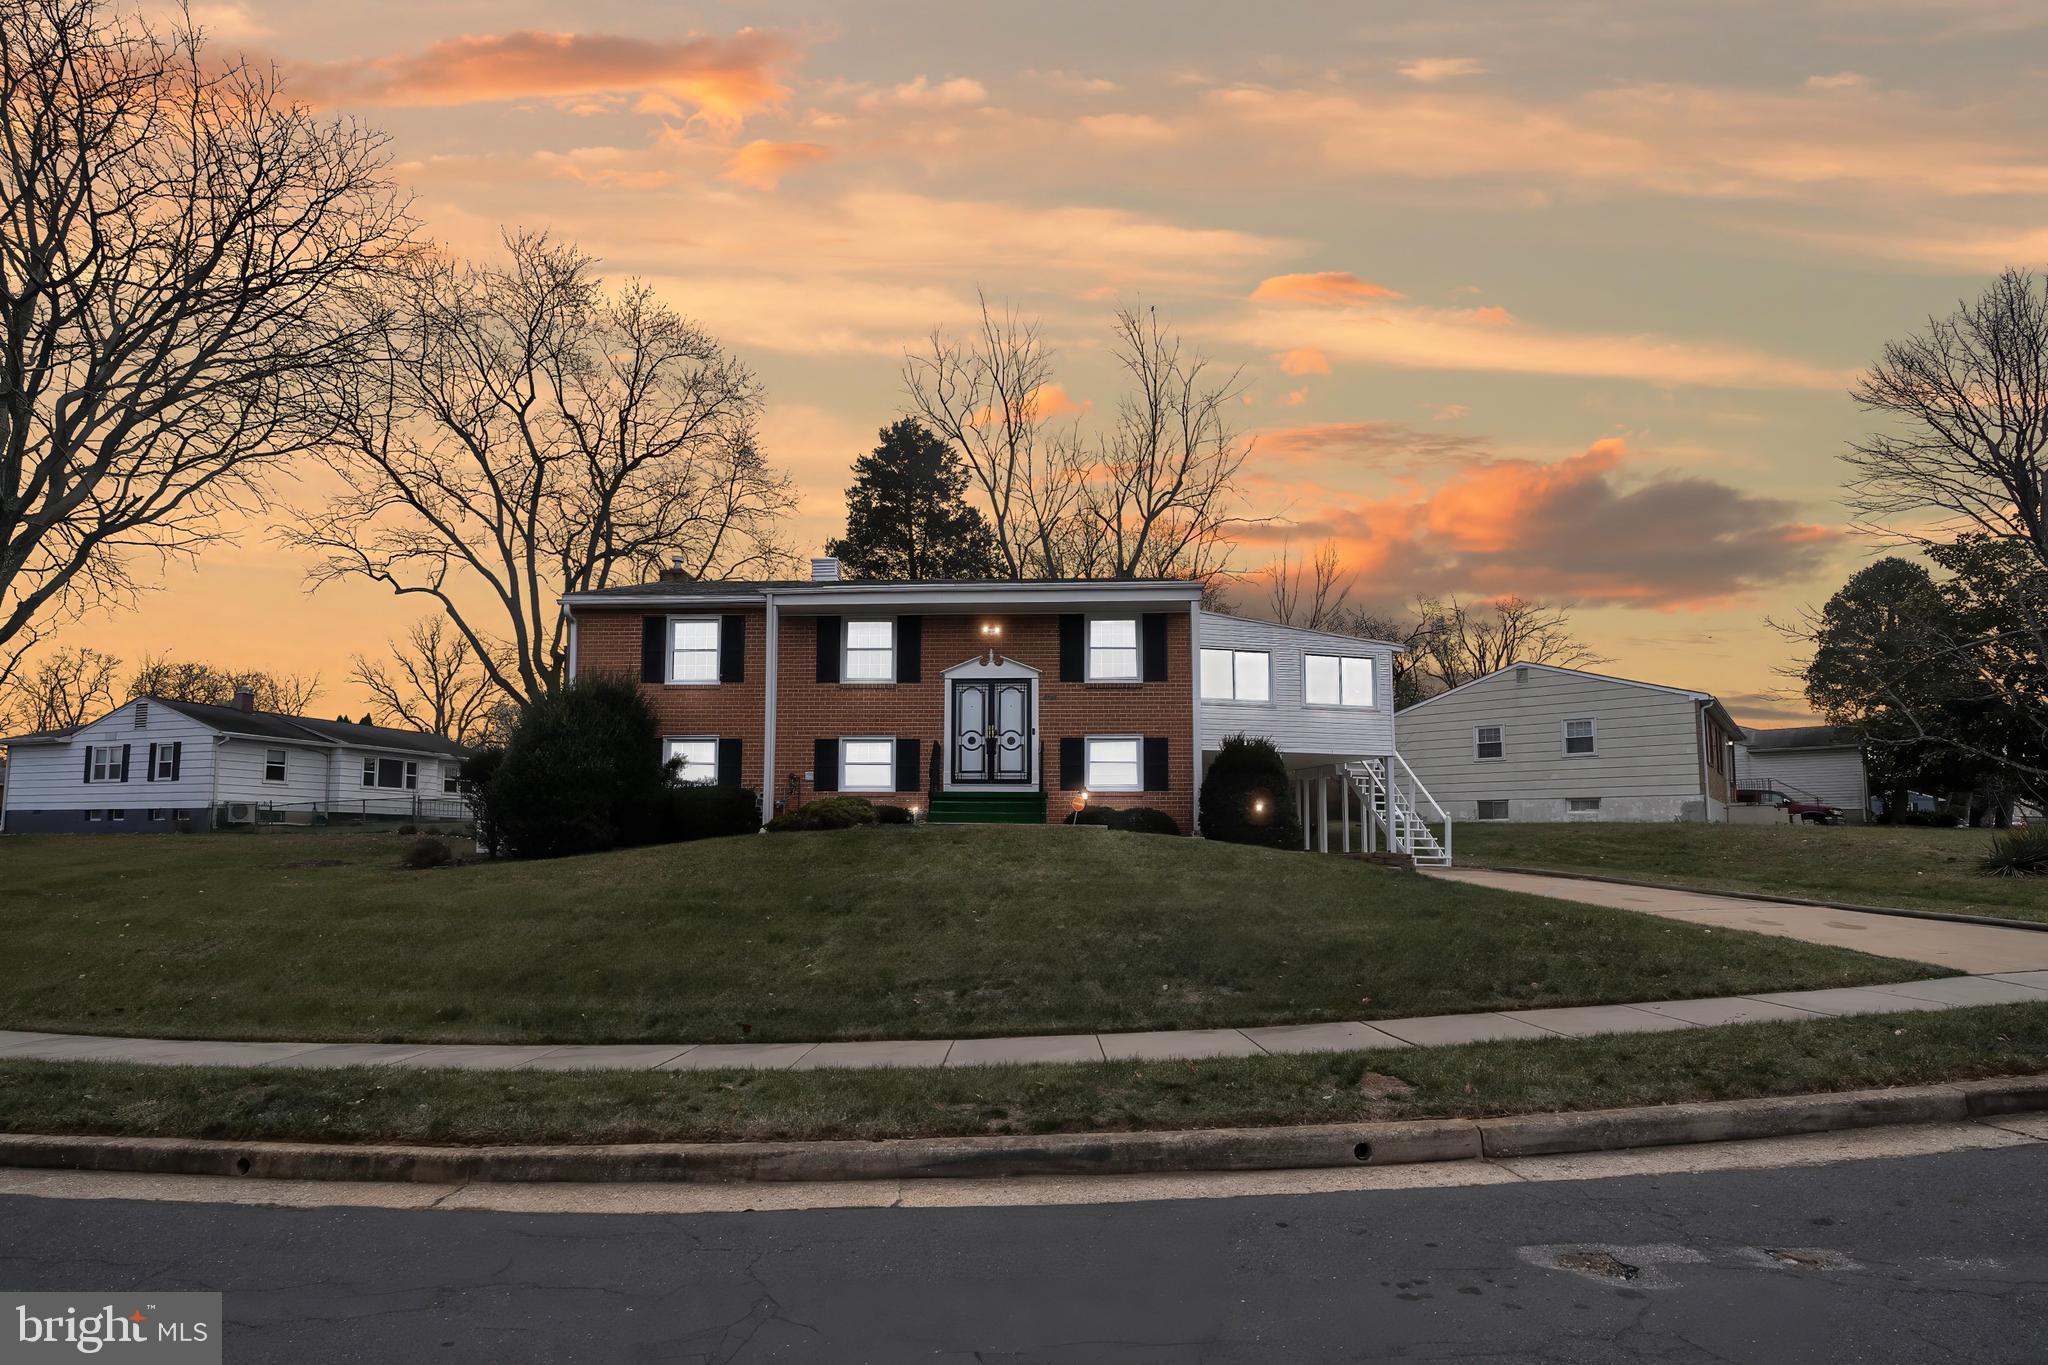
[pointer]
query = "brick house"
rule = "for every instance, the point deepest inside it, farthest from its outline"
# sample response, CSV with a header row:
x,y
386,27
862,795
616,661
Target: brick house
x,y
982,700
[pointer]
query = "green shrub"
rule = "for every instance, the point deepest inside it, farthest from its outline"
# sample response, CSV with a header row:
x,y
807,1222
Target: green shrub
x,y
893,815
2019,853
428,851
1136,819
577,772
681,813
827,812
477,771
1247,797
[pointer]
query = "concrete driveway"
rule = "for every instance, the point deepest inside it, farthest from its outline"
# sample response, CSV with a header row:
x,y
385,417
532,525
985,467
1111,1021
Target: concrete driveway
x,y
1965,947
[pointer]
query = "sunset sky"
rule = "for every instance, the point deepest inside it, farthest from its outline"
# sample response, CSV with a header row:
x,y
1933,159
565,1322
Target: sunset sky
x,y
1552,297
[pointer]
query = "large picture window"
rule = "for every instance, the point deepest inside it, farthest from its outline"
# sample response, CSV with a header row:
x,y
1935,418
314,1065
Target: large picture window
x,y
1330,680
1113,649
870,651
693,649
1113,763
1237,675
700,759
867,765
391,774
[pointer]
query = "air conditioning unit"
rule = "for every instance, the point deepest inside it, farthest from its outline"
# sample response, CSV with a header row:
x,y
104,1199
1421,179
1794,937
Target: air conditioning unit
x,y
238,813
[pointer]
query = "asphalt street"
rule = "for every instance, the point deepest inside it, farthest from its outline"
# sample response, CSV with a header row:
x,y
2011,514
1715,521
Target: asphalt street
x,y
1922,1259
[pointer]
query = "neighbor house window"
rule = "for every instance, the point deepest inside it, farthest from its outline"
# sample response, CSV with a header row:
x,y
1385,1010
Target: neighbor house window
x,y
94,816
1113,649
1582,805
1580,737
392,773
451,779
700,759
1493,810
1113,764
1330,680
867,765
156,813
106,763
870,651
1236,675
117,815
693,649
273,765
1488,741
166,762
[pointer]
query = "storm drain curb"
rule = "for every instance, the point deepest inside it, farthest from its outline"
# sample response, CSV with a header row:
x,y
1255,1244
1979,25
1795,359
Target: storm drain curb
x,y
1220,1149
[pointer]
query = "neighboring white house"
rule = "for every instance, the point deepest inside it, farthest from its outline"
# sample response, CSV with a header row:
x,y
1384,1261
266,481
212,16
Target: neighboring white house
x,y
1538,742
1806,763
155,766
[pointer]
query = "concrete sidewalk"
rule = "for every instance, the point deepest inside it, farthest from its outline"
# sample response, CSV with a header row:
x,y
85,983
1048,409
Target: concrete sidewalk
x,y
1954,992
1965,947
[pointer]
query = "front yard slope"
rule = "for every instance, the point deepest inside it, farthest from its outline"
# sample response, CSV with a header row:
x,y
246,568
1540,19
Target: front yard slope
x,y
868,933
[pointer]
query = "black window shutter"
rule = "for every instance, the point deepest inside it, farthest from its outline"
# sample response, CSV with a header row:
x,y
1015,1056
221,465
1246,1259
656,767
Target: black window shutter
x,y
1073,763
653,646
124,761
732,648
825,764
1153,654
1073,648
909,649
150,774
1155,763
88,762
828,650
906,765
177,758
729,763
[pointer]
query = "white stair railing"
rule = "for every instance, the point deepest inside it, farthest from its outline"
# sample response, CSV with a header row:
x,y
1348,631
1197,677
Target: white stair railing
x,y
1400,807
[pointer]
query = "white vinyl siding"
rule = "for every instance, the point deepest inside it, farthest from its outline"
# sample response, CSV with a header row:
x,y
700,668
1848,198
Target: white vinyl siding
x,y
1114,763
867,765
1832,775
1113,649
693,649
1283,714
870,651
700,759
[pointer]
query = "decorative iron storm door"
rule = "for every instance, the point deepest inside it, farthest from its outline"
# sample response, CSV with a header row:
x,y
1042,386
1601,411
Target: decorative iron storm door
x,y
992,732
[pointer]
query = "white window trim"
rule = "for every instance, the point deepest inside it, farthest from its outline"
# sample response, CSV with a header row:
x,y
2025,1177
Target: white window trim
x,y
113,759
284,762
668,667
1564,747
845,740
1500,757
166,761
846,651
375,769
1372,675
712,740
1137,673
1233,651
1088,744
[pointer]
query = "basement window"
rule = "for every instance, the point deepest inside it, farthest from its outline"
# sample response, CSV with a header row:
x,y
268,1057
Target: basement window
x,y
1492,810
1582,805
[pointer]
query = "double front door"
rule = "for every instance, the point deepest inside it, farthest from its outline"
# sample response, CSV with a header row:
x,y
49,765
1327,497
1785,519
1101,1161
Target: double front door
x,y
992,732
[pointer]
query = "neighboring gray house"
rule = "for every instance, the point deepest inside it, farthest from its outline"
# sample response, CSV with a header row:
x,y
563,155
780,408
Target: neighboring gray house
x,y
154,765
1806,763
1538,742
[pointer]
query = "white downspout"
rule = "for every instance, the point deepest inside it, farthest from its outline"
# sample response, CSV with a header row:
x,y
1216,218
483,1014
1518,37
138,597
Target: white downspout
x,y
772,654
1195,689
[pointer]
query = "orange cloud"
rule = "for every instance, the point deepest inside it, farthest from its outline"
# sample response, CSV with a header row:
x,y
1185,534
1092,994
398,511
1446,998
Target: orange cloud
x,y
762,164
1323,286
1303,360
722,78
1429,70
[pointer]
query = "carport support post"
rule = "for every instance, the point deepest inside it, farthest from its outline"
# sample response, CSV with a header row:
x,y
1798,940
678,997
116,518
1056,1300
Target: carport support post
x,y
1301,803
1344,812
1323,814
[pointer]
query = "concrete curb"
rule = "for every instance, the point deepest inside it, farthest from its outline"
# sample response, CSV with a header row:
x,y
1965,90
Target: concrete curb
x,y
1218,1149
2037,926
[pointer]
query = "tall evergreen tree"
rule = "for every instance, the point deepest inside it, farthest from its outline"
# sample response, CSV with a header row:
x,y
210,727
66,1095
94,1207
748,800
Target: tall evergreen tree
x,y
907,517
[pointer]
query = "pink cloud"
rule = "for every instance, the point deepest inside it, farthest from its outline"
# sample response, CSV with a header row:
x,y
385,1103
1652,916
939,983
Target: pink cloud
x,y
762,164
1322,286
1303,360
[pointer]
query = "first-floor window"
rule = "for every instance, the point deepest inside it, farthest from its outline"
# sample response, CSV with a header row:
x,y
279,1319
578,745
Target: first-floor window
x,y
1236,675
1582,805
1580,737
106,763
1113,763
699,756
1493,810
273,765
166,762
451,779
1489,741
867,765
1333,680
392,773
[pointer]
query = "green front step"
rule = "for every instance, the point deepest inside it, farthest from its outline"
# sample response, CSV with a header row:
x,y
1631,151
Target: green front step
x,y
988,808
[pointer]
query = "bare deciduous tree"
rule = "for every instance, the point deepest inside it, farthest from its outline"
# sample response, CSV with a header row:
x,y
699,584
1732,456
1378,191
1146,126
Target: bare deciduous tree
x,y
1461,641
1310,594
1154,496
434,683
159,675
64,690
178,247
528,433
1970,395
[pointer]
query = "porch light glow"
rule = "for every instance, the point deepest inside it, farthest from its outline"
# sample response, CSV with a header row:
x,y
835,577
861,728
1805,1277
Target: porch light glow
x,y
1259,806
991,629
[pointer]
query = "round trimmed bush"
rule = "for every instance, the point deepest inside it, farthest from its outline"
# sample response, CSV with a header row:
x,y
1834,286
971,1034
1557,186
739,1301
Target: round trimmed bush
x,y
1247,797
827,812
886,814
577,773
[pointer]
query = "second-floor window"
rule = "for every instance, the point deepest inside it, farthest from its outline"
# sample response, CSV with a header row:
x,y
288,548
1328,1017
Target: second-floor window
x,y
693,649
1236,675
870,651
1331,680
1113,649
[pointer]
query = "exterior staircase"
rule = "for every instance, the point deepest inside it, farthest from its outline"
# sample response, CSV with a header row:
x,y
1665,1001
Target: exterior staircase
x,y
987,808
1402,809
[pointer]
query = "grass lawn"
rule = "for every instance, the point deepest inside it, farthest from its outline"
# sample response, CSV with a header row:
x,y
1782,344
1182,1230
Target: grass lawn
x,y
1912,869
385,1104
871,933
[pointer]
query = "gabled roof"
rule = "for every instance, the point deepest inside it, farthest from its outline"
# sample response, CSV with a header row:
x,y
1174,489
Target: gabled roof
x,y
1712,702
232,720
1803,737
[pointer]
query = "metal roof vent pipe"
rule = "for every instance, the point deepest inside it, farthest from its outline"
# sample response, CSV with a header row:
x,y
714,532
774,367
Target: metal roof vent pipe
x,y
825,569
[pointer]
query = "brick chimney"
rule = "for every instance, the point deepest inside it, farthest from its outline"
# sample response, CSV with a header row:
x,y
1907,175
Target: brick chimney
x,y
245,700
676,573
